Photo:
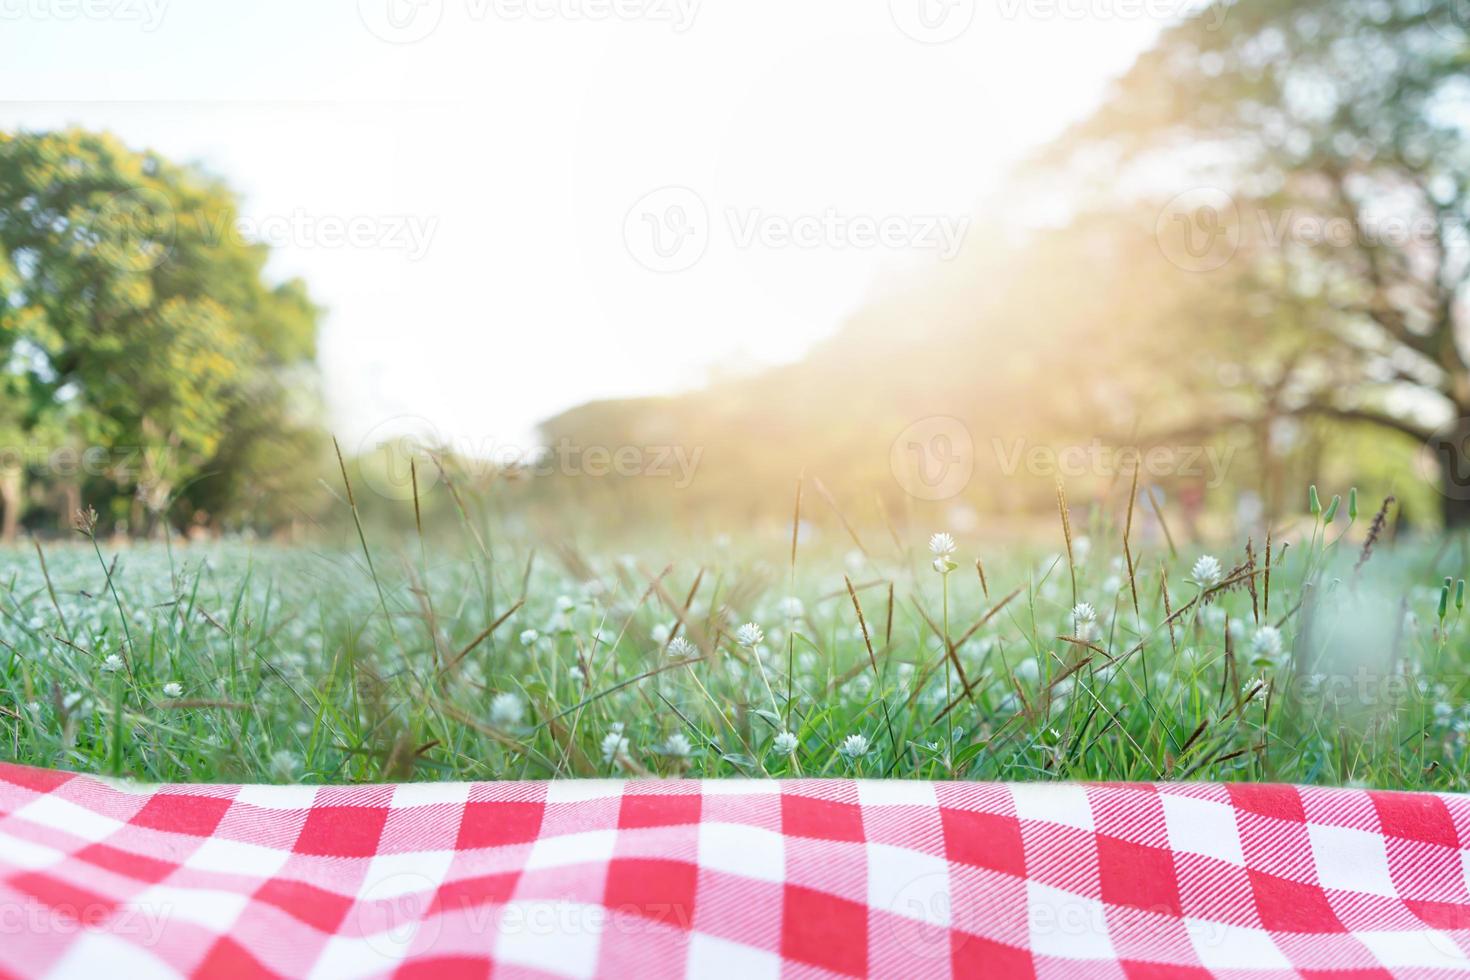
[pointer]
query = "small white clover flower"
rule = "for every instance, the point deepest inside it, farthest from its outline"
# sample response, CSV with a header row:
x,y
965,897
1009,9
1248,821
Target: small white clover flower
x,y
111,664
942,544
1267,642
564,603
1207,571
660,634
173,689
528,637
1084,619
854,746
506,710
576,673
283,765
677,745
614,745
681,649
749,635
792,608
784,743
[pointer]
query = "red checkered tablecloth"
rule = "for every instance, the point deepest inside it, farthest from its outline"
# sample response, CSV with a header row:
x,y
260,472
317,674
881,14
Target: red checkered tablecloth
x,y
729,878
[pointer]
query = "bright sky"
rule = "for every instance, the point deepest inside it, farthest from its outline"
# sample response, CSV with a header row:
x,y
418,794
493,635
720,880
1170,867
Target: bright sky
x,y
496,167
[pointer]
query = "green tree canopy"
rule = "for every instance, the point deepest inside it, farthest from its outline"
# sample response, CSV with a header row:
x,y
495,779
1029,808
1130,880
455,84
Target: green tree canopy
x,y
134,314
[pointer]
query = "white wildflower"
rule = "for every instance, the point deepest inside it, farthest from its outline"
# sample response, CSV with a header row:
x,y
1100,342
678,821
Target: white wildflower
x,y
529,637
576,673
1267,642
112,664
677,745
506,710
749,635
791,607
854,746
784,743
614,745
283,765
943,547
173,689
681,649
1207,571
660,634
1084,618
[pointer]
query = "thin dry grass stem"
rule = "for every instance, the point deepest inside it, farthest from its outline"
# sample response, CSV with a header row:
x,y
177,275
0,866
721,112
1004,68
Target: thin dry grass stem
x,y
683,610
1153,501
984,585
847,526
1127,547
888,624
362,538
791,634
1229,673
1250,564
1066,513
413,476
873,662
989,615
1168,612
1266,581
1375,529
495,734
50,589
1086,644
483,635
661,668
464,514
888,523
796,526
697,633
860,586
950,647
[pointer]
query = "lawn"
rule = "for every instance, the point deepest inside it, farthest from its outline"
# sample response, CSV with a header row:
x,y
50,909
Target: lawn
x,y
509,657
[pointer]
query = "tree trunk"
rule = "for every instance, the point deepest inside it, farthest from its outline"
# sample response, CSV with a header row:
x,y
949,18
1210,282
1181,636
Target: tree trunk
x,y
1451,447
12,486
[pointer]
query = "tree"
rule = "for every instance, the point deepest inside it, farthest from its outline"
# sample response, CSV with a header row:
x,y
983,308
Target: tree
x,y
1336,136
130,305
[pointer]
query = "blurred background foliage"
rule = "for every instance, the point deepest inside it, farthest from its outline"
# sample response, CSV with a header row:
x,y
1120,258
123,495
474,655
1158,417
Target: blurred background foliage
x,y
1255,250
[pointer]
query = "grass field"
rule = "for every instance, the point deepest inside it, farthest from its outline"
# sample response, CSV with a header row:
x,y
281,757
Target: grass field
x,y
513,658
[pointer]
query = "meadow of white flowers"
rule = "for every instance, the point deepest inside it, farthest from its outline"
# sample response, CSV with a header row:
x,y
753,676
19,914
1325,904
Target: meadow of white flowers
x,y
525,659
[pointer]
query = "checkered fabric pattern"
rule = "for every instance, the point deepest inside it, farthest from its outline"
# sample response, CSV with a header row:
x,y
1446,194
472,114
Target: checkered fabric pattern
x,y
729,878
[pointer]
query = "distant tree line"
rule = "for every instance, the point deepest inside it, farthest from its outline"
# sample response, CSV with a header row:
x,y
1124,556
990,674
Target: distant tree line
x,y
1266,245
